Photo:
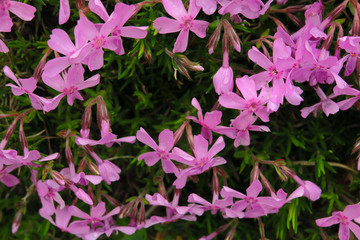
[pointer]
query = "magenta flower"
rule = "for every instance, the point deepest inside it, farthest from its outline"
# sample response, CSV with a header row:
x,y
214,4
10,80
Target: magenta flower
x,y
250,9
184,22
64,11
352,46
208,6
166,143
119,17
62,219
347,103
99,39
25,86
253,205
251,103
325,104
204,159
48,195
107,137
69,85
307,189
209,123
6,178
97,215
344,219
74,53
22,10
242,125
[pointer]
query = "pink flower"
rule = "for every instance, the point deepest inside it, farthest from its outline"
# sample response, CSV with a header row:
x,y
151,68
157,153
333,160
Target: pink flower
x,y
25,86
344,219
184,22
251,102
251,9
107,137
209,123
166,143
69,85
242,125
204,159
64,11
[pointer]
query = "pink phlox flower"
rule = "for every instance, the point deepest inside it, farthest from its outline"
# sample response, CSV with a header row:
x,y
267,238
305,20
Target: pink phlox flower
x,y
62,218
74,53
347,103
251,102
162,151
69,84
352,46
253,205
48,195
209,122
184,22
107,137
96,217
307,189
22,10
275,72
325,104
204,159
119,17
64,11
158,200
318,67
344,219
250,9
123,12
215,206
99,38
173,211
25,86
242,124
208,6
108,170
80,178
6,178
29,157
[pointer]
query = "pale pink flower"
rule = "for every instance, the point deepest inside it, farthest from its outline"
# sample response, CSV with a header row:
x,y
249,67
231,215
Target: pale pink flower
x,y
184,22
344,219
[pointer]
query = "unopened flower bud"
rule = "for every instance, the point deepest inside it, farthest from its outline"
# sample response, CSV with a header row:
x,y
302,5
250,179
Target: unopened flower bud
x,y
333,14
81,165
267,184
255,173
8,134
68,153
86,121
80,4
148,56
102,113
179,132
214,39
215,182
93,168
23,141
141,213
296,20
190,137
17,220
232,36
231,233
58,177
40,67
112,200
